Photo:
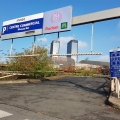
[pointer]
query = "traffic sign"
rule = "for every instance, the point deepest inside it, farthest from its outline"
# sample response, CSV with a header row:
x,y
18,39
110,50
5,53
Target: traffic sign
x,y
115,63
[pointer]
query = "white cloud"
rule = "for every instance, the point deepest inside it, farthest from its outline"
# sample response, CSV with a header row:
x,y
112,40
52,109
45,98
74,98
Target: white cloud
x,y
82,44
44,39
104,58
65,40
63,43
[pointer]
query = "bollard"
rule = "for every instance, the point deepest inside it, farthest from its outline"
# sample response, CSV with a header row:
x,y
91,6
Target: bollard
x,y
115,86
112,85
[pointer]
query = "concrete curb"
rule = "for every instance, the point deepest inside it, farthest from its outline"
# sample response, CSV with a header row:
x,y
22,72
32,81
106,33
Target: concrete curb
x,y
56,77
19,81
114,102
12,82
32,80
37,80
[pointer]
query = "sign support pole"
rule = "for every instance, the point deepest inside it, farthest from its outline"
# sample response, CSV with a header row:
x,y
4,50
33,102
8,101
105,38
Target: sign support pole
x,y
58,35
34,44
11,48
59,44
92,37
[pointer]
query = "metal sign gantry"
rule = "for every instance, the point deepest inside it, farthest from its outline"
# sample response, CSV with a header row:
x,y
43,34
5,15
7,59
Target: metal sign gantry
x,y
85,19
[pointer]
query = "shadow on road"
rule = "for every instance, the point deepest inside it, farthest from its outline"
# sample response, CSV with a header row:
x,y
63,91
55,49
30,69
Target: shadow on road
x,y
102,89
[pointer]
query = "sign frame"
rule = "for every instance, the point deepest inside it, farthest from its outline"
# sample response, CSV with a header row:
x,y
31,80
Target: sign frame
x,y
34,23
58,20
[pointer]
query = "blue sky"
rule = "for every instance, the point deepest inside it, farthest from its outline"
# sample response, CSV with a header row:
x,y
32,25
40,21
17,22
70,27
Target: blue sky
x,y
106,33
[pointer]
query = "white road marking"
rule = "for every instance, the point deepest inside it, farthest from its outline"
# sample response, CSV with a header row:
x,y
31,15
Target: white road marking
x,y
4,114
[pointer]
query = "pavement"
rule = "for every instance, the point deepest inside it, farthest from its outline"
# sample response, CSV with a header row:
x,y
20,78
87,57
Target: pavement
x,y
14,113
69,98
112,100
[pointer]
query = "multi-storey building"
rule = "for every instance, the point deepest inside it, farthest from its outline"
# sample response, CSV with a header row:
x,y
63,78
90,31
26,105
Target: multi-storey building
x,y
72,48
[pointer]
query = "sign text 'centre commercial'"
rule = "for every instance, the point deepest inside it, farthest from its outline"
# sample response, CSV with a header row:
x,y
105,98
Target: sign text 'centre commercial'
x,y
24,26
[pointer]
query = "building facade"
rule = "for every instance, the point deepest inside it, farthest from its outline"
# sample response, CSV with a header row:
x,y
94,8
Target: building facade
x,y
59,62
72,48
55,47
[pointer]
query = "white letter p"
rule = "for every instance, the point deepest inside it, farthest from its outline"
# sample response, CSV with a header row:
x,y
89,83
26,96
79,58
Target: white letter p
x,y
4,29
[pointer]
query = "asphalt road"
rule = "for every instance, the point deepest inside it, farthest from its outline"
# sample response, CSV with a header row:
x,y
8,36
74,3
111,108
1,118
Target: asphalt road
x,y
71,98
